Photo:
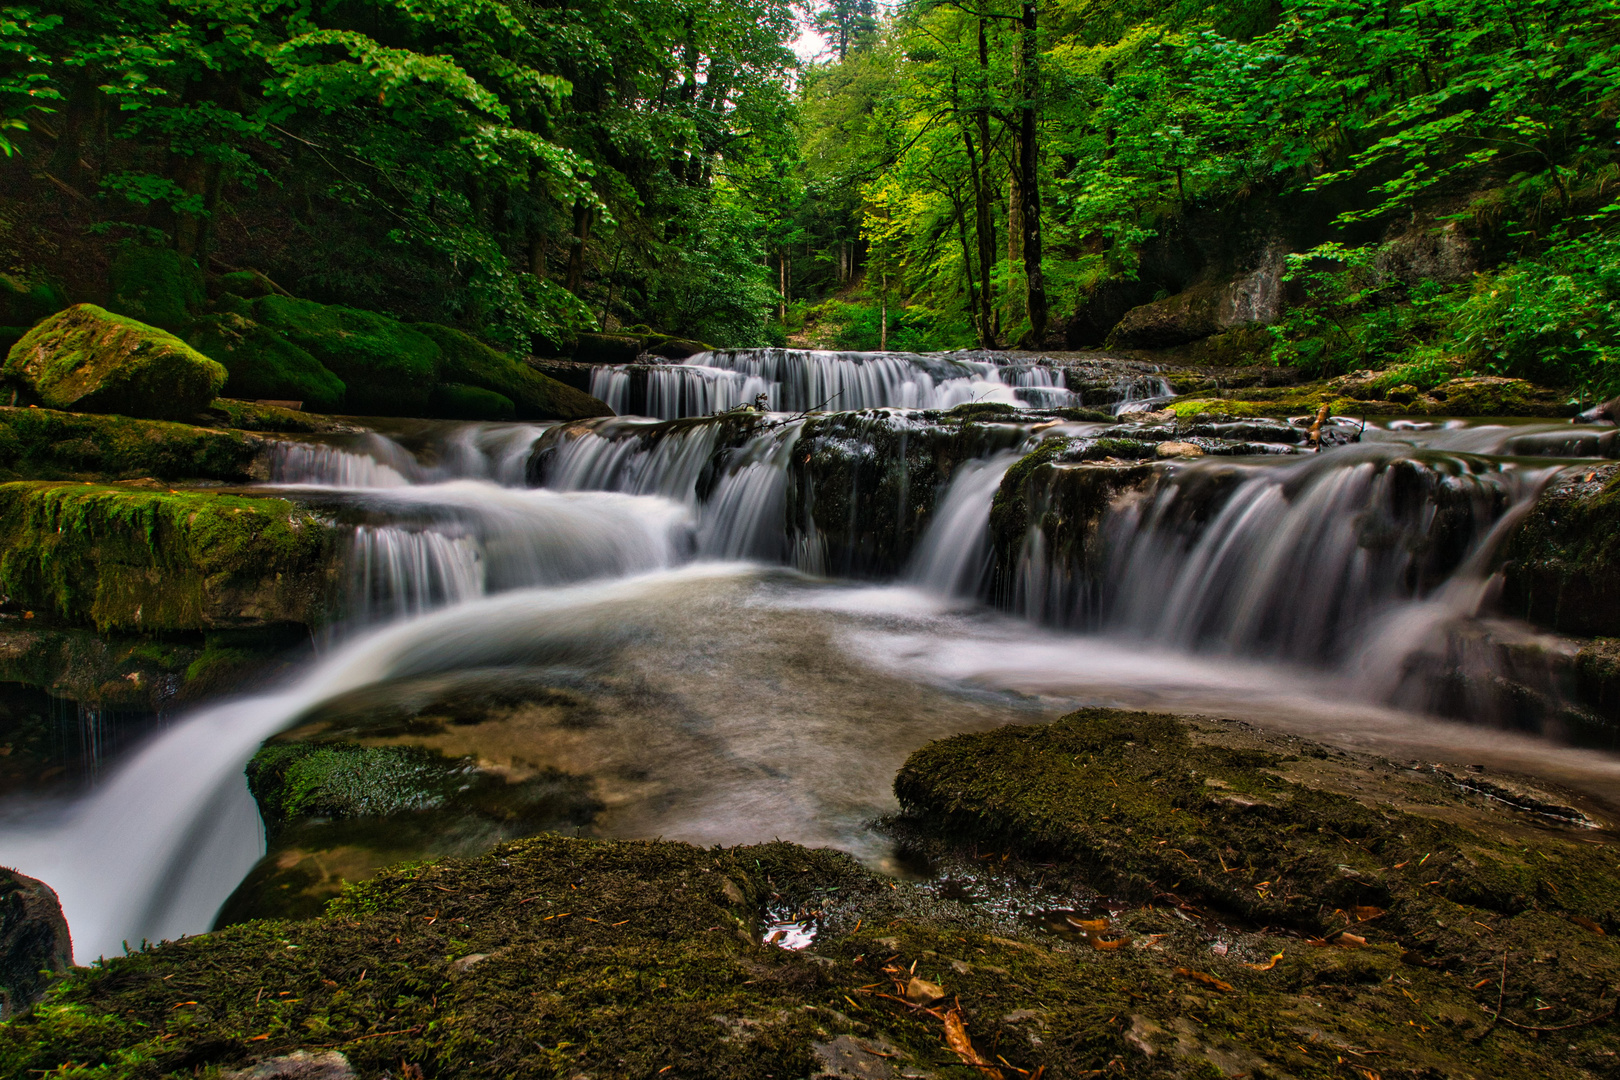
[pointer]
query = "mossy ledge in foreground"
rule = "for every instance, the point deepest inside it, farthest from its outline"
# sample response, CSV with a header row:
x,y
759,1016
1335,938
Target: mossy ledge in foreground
x,y
132,558
559,957
48,444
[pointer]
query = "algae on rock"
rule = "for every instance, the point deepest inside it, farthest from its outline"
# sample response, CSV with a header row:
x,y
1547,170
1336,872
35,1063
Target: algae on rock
x,y
89,360
132,559
45,444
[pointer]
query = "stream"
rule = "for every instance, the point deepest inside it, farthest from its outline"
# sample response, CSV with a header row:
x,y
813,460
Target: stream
x,y
775,656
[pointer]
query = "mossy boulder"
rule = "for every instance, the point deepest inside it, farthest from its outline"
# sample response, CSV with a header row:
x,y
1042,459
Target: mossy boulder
x,y
1563,563
46,444
1366,395
519,389
156,285
336,358
262,363
89,360
607,349
134,559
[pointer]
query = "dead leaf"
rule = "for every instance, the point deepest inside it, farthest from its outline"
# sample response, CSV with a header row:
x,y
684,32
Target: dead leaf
x,y
1116,943
1365,914
922,992
1587,924
956,1037
1268,965
1090,926
1208,980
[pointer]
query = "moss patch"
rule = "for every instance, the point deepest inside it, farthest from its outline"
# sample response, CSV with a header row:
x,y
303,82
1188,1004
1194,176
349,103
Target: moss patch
x,y
264,364
47,444
130,559
157,286
90,360
526,393
1563,567
1367,396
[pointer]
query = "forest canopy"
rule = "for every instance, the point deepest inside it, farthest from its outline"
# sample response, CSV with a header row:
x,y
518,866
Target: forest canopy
x,y
1427,186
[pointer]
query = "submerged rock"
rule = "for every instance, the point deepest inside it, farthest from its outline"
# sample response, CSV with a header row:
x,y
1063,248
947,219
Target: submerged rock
x,y
91,360
1388,895
1563,568
34,942
136,559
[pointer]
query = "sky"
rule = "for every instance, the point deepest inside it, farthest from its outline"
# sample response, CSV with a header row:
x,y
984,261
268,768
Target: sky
x,y
809,44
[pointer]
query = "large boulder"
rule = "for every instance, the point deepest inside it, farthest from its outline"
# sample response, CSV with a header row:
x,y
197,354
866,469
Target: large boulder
x,y
263,364
33,941
86,359
335,358
607,348
1563,569
45,444
1207,307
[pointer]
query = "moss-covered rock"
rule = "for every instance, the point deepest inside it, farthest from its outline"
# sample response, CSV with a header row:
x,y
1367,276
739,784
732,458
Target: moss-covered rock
x,y
134,559
387,367
90,360
156,285
607,349
1563,568
46,444
262,363
558,957
1367,396
532,395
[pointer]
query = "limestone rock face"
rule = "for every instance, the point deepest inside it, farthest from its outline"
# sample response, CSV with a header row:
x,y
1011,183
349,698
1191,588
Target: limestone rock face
x,y
33,939
1252,298
86,359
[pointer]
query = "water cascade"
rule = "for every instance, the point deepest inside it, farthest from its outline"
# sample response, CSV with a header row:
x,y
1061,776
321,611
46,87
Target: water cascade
x,y
501,546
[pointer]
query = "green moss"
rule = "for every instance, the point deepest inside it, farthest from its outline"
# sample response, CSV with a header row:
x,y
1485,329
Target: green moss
x,y
262,363
150,560
1563,568
23,302
556,957
1372,396
157,286
530,394
252,416
89,360
1009,510
47,444
387,367
456,401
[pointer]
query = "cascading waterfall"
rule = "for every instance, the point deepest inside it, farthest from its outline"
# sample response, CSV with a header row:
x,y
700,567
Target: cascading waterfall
x,y
797,380
1356,563
953,557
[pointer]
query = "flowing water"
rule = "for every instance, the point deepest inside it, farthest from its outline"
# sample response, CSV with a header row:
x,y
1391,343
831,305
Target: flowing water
x,y
678,568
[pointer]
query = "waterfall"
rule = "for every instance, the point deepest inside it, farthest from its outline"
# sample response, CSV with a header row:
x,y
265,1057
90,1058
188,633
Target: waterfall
x,y
953,557
395,572
320,465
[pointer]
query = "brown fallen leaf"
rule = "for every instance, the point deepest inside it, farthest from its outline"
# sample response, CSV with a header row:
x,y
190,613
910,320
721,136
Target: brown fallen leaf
x,y
1208,980
956,1037
1090,926
923,992
1268,965
1587,924
1366,914
1115,943
1350,941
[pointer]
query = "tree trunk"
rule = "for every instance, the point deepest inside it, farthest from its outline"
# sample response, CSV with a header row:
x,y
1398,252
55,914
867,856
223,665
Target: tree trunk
x,y
537,252
1015,247
781,293
576,254
82,114
883,313
1029,175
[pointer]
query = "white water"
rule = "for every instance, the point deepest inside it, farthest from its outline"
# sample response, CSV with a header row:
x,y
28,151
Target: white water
x,y
796,380
1299,575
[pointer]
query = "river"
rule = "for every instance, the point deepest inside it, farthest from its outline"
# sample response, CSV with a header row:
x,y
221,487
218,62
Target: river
x,y
773,658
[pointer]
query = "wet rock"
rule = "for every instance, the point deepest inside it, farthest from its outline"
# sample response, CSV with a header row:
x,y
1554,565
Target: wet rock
x,y
90,360
1606,413
300,1065
124,558
34,942
1173,449
1206,308
1563,568
851,1058
607,349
